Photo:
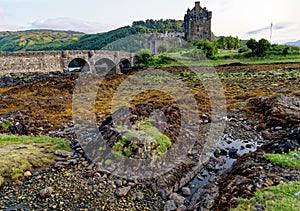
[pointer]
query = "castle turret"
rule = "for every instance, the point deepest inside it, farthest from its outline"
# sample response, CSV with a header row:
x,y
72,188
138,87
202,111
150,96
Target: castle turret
x,y
197,23
197,6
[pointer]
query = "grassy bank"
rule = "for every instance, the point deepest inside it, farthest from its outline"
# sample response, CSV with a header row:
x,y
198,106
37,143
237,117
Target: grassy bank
x,y
188,61
19,154
281,197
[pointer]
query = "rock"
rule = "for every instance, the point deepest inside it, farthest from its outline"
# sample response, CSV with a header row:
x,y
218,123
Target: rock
x,y
164,194
118,183
179,200
186,191
46,192
111,185
267,135
61,159
170,206
99,195
121,192
27,174
181,208
18,182
61,164
63,153
73,161
19,128
233,153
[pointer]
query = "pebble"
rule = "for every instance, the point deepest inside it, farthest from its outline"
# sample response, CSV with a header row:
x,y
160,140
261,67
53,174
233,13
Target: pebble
x,y
118,183
186,191
27,174
121,192
46,192
170,206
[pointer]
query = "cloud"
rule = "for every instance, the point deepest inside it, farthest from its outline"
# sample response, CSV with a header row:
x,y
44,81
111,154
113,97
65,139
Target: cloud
x,y
65,23
2,11
278,26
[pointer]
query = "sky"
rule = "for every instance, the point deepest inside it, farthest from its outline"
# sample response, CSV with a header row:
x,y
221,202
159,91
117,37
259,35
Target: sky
x,y
243,18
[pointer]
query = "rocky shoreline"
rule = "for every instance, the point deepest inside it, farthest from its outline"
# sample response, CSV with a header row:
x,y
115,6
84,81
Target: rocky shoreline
x,y
236,168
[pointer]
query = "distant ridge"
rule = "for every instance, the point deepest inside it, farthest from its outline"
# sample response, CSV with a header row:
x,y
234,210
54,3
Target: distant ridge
x,y
296,43
52,30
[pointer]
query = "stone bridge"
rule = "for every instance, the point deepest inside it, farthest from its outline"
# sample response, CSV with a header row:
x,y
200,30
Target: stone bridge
x,y
53,61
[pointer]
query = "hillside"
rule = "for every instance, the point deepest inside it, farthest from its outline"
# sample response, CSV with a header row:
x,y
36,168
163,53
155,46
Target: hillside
x,y
34,40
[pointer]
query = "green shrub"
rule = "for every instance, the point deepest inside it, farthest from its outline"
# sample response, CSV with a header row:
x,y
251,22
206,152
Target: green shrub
x,y
144,58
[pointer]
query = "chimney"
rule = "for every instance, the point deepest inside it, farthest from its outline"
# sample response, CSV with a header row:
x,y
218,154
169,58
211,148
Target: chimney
x,y
197,6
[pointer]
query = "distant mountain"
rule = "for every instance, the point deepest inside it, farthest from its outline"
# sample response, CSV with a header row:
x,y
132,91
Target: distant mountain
x,y
296,43
45,39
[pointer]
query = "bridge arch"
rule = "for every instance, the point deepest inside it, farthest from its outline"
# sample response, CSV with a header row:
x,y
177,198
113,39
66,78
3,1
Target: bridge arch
x,y
105,65
78,65
125,65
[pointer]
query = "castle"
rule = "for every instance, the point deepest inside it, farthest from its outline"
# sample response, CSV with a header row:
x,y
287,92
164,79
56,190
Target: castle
x,y
196,26
197,23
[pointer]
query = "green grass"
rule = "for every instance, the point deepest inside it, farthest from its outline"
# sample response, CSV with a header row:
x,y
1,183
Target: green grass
x,y
5,124
182,60
24,153
283,197
11,139
290,160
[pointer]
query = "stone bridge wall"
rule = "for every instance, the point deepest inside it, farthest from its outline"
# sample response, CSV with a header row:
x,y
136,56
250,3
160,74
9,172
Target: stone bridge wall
x,y
52,61
47,61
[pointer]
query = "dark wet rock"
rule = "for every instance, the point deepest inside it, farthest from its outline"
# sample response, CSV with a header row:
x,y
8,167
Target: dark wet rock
x,y
73,161
19,128
280,111
233,153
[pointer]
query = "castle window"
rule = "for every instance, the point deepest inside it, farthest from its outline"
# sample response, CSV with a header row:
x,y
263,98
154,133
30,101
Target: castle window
x,y
198,28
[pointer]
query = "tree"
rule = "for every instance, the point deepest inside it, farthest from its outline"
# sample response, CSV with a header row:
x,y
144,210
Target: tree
x,y
262,47
207,47
259,48
285,51
252,44
228,43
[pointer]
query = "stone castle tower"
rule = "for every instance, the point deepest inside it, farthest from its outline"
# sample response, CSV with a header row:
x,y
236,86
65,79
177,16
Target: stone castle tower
x,y
197,23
